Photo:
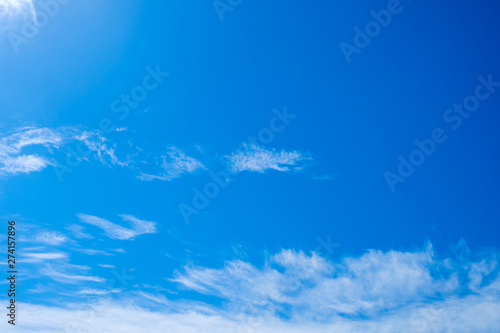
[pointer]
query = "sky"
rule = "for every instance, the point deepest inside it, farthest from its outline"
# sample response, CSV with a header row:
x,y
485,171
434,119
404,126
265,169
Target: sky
x,y
250,166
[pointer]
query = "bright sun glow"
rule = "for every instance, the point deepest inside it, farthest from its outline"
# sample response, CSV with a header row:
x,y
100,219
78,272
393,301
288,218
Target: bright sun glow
x,y
11,8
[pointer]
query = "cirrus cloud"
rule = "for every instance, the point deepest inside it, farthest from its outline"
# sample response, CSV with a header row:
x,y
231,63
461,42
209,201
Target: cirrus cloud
x,y
391,291
258,159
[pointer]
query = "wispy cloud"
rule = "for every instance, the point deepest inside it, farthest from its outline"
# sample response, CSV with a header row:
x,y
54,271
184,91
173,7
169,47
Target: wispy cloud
x,y
258,159
49,237
105,151
24,164
117,231
97,292
312,288
174,163
38,257
96,146
295,292
28,136
11,160
40,288
38,237
93,252
66,277
77,231
61,143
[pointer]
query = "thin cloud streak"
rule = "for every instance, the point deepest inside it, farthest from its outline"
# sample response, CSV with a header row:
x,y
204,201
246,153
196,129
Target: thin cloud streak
x,y
31,257
63,277
116,231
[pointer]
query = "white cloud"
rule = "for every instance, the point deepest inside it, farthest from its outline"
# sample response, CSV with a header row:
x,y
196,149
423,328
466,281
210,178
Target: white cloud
x,y
54,140
140,226
77,231
11,160
28,136
106,266
116,231
258,159
32,257
93,252
64,277
49,237
173,164
97,292
294,292
40,288
311,288
23,164
38,237
101,146
68,146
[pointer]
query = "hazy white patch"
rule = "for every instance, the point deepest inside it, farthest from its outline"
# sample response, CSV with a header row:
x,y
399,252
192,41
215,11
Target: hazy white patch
x,y
12,8
258,159
49,237
173,164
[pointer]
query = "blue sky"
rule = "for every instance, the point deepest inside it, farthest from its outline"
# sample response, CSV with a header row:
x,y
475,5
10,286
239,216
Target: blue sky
x,y
246,165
